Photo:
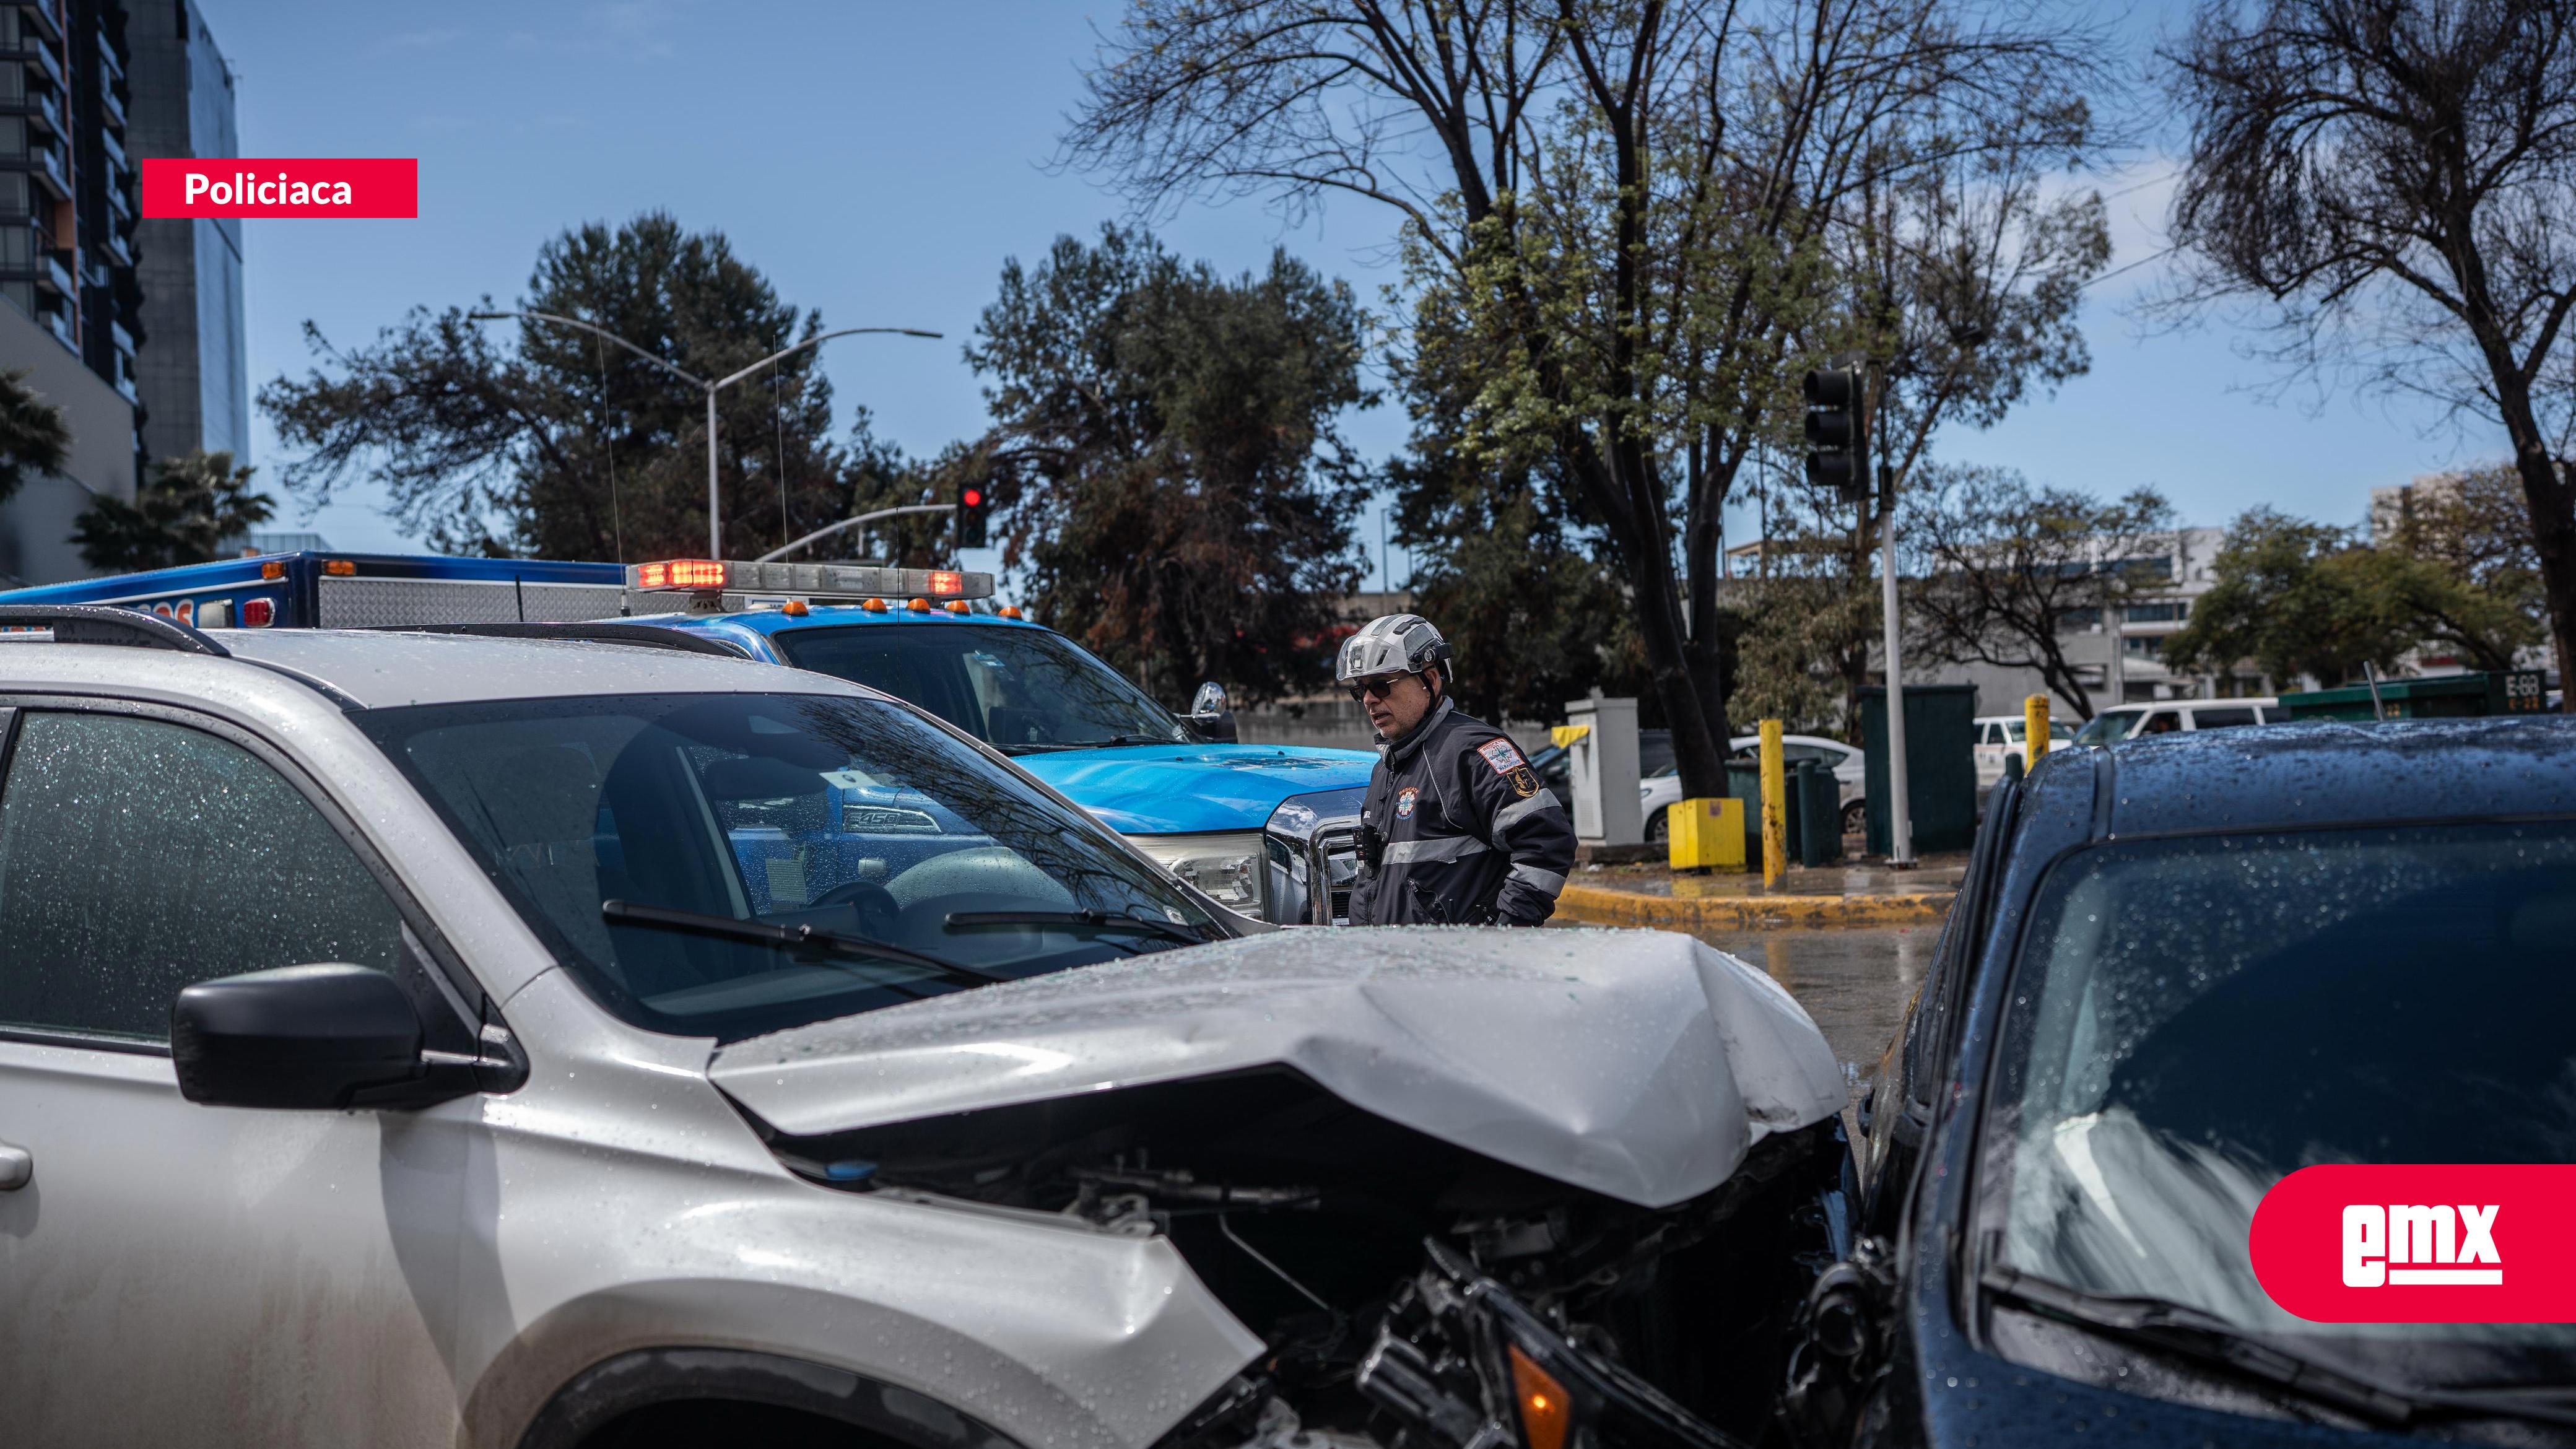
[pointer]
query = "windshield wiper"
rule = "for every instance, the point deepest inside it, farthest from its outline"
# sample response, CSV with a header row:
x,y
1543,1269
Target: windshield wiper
x,y
1075,920
2196,1334
795,938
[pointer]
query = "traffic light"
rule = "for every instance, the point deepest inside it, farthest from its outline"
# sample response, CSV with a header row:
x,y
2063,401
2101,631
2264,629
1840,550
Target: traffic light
x,y
974,504
1838,429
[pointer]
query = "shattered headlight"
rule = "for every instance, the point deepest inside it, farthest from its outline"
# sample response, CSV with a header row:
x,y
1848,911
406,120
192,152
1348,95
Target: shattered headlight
x,y
1228,868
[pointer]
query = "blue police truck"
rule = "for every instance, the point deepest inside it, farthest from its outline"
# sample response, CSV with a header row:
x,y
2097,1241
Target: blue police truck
x,y
1267,830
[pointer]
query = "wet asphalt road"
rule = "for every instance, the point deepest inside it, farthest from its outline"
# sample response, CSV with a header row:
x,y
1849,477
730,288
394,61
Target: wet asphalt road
x,y
1854,982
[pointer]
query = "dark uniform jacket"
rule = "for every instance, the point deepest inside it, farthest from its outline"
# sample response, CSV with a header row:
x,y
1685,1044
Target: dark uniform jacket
x,y
1458,830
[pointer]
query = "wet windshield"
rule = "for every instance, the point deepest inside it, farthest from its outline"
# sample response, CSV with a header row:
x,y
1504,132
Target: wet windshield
x,y
721,826
2196,1019
1021,690
2107,728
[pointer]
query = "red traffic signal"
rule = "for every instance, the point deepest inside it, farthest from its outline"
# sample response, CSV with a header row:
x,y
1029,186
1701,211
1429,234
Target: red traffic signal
x,y
973,504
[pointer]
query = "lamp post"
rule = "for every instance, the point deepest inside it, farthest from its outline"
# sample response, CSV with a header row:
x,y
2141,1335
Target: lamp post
x,y
715,517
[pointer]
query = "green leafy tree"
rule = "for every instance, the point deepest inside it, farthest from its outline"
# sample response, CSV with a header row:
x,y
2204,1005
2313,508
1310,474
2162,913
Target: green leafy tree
x,y
1797,634
2473,566
1535,617
2297,598
33,436
185,513
1171,485
564,446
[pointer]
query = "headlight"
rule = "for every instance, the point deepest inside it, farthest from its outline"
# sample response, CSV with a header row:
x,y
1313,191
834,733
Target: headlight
x,y
1227,868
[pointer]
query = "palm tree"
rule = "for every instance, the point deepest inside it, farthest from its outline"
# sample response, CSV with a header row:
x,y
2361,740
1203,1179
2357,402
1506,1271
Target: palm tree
x,y
33,436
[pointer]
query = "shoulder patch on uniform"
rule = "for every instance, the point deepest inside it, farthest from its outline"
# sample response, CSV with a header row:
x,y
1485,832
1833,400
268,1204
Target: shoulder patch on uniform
x,y
1524,781
1501,755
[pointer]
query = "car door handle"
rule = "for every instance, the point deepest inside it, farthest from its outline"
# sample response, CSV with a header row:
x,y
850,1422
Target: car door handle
x,y
17,1167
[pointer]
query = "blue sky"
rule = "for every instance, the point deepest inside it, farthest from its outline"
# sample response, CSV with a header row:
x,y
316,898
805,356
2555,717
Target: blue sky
x,y
879,161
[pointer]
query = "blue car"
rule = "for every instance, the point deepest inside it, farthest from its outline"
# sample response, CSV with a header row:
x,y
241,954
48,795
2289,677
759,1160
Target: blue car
x,y
2177,972
1269,831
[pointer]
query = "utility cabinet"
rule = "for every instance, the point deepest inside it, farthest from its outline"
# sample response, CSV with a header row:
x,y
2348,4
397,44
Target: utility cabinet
x,y
1940,765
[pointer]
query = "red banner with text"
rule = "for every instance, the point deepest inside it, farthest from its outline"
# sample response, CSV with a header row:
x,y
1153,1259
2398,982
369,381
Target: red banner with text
x,y
2349,1243
244,186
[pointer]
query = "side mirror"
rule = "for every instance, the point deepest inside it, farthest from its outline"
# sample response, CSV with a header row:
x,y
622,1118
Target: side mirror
x,y
309,1037
1208,713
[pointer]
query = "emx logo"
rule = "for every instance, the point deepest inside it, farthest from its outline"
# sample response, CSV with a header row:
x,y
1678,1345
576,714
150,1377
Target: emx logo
x,y
2420,1244
2429,1236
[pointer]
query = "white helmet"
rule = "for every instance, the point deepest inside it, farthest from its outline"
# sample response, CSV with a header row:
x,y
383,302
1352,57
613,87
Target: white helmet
x,y
1392,644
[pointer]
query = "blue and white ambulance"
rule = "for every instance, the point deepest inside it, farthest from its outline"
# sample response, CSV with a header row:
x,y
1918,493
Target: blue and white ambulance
x,y
1268,830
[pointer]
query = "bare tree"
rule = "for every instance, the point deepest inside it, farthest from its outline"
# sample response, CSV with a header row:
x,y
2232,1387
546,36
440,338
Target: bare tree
x,y
1628,204
2007,570
2393,184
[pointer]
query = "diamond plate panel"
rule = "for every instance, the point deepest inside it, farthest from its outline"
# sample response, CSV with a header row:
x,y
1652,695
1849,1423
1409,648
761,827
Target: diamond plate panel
x,y
364,603
567,603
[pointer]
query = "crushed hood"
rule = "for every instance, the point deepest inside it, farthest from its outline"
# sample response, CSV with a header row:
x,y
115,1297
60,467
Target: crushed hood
x,y
1638,1064
1180,789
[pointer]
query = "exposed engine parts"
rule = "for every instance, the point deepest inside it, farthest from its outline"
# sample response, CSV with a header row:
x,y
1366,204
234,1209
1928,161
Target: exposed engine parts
x,y
1413,1294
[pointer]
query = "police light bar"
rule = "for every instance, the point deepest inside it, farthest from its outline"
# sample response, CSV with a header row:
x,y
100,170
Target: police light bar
x,y
808,581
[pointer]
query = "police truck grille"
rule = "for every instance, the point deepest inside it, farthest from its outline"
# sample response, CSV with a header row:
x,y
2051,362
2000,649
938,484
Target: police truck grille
x,y
1341,852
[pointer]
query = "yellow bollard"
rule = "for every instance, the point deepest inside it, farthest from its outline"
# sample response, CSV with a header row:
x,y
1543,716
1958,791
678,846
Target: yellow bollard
x,y
2034,731
1775,806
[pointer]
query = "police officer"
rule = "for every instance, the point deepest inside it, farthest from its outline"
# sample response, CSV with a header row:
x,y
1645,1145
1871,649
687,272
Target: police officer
x,y
1456,828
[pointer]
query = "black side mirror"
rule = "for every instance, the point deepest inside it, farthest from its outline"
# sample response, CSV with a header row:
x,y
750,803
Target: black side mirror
x,y
311,1037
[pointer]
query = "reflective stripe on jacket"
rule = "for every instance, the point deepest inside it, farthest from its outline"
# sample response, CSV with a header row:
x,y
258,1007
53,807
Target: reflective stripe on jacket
x,y
1462,830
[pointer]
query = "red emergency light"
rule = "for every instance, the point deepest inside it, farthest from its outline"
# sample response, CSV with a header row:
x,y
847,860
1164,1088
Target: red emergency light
x,y
681,573
946,581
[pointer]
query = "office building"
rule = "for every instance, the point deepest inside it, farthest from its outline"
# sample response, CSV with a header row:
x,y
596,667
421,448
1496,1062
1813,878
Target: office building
x,y
134,329
191,374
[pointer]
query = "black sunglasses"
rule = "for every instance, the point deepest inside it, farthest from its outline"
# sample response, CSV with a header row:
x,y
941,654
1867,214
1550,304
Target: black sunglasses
x,y
1378,688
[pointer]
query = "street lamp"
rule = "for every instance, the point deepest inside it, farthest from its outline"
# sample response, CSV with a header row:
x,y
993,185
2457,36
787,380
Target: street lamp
x,y
715,518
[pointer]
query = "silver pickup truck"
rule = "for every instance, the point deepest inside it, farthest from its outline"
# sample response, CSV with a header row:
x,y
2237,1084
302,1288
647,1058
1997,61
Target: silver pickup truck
x,y
430,1040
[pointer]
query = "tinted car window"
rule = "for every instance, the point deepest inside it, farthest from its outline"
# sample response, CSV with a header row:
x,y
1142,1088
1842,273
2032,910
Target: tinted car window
x,y
2195,1019
1654,752
2109,727
830,814
137,857
1018,689
2216,719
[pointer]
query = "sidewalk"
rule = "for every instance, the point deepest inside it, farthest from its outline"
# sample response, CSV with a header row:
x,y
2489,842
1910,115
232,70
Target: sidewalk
x,y
1860,894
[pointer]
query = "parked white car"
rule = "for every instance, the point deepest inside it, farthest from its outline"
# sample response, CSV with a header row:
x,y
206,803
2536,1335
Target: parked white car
x,y
1660,791
2174,716
413,1040
2002,737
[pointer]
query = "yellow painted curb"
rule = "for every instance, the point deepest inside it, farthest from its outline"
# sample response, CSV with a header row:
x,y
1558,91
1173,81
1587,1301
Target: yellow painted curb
x,y
1746,913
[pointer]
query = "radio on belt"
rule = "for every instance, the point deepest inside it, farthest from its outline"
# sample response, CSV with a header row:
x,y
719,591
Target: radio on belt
x,y
732,585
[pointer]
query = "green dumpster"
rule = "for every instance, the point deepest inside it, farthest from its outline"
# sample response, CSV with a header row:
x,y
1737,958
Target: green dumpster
x,y
1815,813
1940,765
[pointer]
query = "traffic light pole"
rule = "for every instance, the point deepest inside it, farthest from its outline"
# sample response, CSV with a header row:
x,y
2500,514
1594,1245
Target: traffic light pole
x,y
1900,795
1900,808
